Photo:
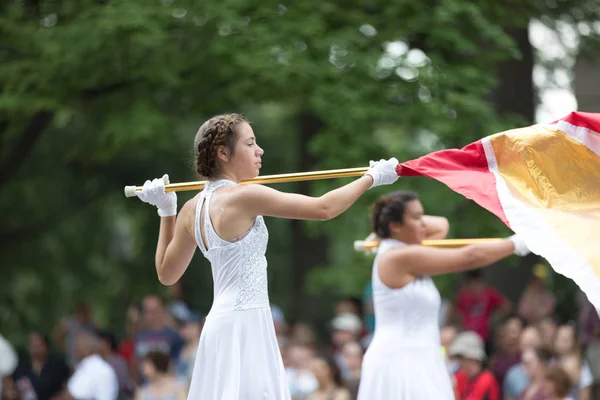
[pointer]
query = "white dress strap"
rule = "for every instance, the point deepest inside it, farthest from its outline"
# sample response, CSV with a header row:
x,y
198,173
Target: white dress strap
x,y
198,219
210,234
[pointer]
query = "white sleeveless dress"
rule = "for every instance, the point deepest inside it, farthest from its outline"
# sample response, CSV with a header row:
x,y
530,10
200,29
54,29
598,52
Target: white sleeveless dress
x,y
404,360
238,356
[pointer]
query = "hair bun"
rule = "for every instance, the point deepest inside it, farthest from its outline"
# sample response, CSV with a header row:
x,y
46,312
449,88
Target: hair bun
x,y
389,208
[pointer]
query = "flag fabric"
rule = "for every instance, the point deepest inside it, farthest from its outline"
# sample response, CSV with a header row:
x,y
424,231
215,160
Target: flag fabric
x,y
542,181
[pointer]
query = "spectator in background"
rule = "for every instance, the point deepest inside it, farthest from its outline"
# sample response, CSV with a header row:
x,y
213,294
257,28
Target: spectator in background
x,y
346,328
589,337
536,301
508,354
516,379
475,304
177,306
108,351
94,378
40,376
328,376
301,380
447,336
589,322
556,384
570,358
69,327
280,325
133,323
352,355
548,327
536,363
472,381
190,328
303,333
155,334
159,384
349,305
352,305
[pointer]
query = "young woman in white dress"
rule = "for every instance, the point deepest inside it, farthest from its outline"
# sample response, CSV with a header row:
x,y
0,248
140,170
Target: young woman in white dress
x,y
404,361
238,356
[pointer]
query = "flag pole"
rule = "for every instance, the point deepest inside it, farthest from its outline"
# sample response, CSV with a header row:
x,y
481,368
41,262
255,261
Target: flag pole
x,y
372,245
267,179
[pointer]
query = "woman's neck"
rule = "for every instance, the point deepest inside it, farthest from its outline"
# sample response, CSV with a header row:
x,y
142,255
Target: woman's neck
x,y
228,177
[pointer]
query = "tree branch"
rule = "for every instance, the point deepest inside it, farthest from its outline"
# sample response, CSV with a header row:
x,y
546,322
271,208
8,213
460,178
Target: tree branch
x,y
25,144
3,126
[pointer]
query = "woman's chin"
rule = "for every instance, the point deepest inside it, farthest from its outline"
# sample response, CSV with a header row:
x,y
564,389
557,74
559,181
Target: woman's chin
x,y
251,176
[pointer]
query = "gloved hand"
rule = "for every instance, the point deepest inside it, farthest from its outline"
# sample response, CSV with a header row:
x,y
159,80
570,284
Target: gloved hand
x,y
372,238
521,249
153,192
359,245
383,172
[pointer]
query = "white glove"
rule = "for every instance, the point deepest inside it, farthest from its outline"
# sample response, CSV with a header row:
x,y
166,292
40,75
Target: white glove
x,y
383,172
521,249
153,192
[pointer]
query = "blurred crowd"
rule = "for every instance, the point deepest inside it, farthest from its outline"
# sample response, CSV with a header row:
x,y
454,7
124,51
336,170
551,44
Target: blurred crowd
x,y
493,349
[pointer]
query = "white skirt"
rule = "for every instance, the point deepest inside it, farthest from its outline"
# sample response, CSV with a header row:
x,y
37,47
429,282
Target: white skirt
x,y
239,358
417,373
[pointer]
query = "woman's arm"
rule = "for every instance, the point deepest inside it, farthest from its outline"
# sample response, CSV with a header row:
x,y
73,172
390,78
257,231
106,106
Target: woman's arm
x,y
262,200
436,227
421,260
254,200
175,247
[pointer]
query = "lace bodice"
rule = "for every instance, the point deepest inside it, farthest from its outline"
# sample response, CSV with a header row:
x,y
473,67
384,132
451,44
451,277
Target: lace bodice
x,y
239,268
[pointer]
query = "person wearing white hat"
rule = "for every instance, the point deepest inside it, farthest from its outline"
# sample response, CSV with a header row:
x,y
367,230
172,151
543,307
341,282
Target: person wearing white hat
x,y
473,382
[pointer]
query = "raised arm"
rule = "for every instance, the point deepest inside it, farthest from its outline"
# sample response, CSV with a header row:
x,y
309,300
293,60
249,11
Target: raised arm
x,y
256,200
436,227
421,260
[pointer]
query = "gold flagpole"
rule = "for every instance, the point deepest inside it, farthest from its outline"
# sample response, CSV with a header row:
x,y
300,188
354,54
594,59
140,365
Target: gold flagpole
x,y
362,245
267,179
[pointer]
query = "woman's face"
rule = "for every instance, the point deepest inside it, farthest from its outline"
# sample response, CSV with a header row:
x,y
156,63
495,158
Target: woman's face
x,y
246,157
564,341
412,228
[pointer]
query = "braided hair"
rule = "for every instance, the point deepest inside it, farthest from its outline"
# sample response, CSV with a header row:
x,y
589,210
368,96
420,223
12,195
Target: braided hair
x,y
217,131
389,208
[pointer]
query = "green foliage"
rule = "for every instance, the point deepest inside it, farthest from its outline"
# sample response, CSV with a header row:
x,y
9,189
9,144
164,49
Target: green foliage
x,y
96,95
